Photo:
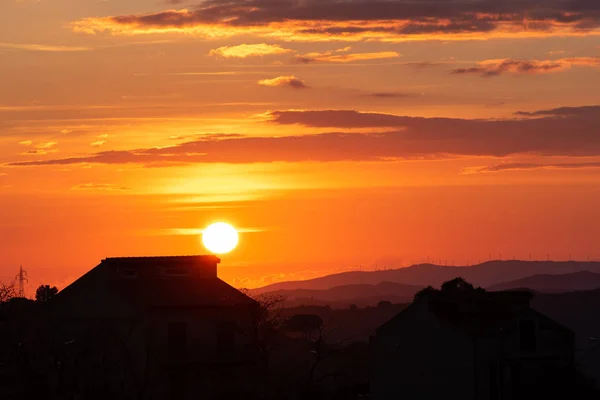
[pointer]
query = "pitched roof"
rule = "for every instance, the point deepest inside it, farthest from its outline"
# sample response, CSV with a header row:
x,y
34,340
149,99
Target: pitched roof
x,y
480,314
180,292
186,281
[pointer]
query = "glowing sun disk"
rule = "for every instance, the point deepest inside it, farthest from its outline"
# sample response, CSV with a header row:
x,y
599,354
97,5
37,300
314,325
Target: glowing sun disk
x,y
220,238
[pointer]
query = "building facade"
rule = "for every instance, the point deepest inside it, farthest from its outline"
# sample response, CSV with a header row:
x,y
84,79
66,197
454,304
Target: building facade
x,y
482,346
154,328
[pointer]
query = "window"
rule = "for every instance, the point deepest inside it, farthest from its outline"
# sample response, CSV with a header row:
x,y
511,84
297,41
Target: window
x,y
527,336
177,338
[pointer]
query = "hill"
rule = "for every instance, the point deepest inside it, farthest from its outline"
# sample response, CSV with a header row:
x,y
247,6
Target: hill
x,y
361,295
576,281
486,274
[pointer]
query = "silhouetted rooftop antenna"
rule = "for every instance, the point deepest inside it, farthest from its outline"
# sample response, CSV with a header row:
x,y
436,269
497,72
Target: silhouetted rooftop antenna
x,y
21,278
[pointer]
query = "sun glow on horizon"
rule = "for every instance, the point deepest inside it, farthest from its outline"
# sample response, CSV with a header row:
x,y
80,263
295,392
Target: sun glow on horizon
x,y
220,238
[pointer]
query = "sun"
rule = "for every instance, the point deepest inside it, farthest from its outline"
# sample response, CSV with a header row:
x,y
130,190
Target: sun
x,y
220,238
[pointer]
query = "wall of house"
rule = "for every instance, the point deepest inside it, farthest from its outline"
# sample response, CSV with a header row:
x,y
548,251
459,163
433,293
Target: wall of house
x,y
503,364
417,356
203,365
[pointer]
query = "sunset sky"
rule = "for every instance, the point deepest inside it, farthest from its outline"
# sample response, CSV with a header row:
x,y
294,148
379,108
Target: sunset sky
x,y
331,133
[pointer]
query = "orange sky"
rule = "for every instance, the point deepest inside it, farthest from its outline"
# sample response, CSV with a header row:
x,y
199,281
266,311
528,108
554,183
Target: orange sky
x,y
333,134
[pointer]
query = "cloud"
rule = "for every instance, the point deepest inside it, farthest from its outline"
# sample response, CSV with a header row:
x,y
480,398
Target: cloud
x,y
528,166
491,68
583,61
340,56
99,187
399,138
40,148
43,47
97,143
289,81
196,232
248,50
579,112
356,20
46,145
390,95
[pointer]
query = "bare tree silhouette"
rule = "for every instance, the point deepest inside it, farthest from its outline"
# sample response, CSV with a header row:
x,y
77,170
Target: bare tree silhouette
x,y
266,320
7,291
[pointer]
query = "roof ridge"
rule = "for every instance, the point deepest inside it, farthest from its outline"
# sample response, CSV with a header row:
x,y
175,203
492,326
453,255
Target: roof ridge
x,y
183,255
160,257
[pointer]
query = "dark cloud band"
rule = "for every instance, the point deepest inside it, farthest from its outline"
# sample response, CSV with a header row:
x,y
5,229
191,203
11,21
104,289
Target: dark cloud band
x,y
386,19
560,132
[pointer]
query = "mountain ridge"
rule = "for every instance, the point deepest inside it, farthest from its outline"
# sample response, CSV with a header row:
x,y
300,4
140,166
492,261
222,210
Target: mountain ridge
x,y
485,274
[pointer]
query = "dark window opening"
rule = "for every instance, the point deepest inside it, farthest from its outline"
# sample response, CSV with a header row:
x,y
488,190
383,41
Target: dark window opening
x,y
177,338
527,336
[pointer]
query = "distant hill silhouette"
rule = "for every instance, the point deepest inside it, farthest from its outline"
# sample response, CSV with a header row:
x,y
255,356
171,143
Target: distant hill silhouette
x,y
361,295
576,281
485,275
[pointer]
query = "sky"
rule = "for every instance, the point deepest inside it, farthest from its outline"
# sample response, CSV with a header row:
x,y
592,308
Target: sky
x,y
334,134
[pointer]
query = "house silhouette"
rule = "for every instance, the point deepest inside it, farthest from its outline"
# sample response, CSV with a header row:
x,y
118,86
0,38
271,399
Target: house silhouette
x,y
155,327
469,345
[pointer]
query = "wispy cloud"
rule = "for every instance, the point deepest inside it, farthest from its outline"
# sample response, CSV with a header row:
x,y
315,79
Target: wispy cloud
x,y
284,81
46,145
249,50
527,166
564,112
40,148
343,56
390,95
198,232
491,68
100,187
42,47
